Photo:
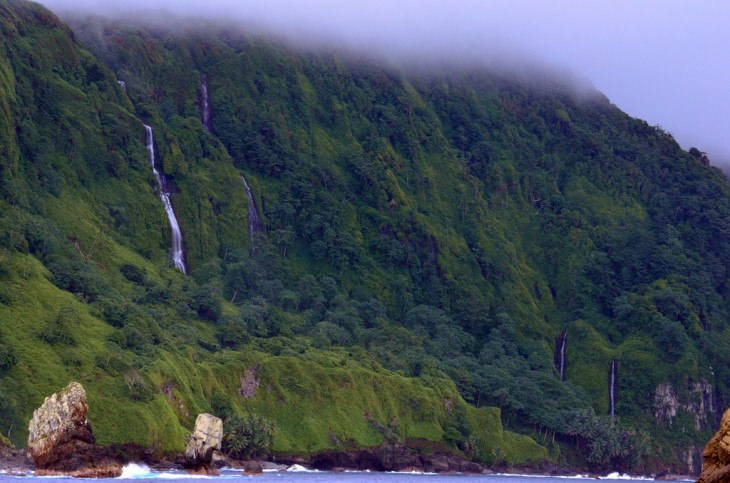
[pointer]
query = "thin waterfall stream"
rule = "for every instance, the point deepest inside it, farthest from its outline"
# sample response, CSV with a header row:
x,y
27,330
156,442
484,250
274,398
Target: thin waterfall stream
x,y
178,253
560,354
254,222
612,382
205,102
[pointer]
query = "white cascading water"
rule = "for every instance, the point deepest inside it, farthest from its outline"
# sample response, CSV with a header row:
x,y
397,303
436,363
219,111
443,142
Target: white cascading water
x,y
254,222
178,256
612,391
123,84
205,101
562,355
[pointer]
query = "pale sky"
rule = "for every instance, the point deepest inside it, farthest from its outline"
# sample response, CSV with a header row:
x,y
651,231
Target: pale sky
x,y
665,61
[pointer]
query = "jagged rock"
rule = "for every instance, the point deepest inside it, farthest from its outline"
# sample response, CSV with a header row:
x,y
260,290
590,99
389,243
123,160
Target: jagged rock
x,y
61,442
220,460
206,438
396,457
204,470
252,468
716,464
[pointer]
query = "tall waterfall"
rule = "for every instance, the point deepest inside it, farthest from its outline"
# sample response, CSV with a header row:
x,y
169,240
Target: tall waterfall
x,y
612,386
254,222
178,255
559,358
205,102
123,84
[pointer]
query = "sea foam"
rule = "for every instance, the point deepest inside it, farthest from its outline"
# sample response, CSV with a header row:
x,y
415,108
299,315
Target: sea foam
x,y
135,470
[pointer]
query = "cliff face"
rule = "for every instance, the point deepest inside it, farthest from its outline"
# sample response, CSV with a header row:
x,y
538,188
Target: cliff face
x,y
421,237
716,456
697,400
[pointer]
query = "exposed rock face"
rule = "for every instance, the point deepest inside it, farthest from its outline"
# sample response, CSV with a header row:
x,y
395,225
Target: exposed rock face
x,y
716,465
206,438
699,403
692,458
61,442
249,383
666,403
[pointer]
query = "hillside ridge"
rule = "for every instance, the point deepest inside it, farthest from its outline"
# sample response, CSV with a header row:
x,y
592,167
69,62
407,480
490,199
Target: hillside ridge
x,y
373,242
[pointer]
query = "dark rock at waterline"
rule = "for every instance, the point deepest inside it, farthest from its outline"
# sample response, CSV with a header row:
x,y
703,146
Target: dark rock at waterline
x,y
15,461
205,470
252,468
394,458
61,442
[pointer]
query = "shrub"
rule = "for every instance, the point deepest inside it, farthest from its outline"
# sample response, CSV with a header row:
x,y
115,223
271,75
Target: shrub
x,y
247,437
58,330
207,302
138,388
8,355
133,273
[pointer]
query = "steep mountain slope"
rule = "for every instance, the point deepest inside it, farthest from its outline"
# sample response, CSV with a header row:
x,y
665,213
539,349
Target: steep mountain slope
x,y
89,293
528,242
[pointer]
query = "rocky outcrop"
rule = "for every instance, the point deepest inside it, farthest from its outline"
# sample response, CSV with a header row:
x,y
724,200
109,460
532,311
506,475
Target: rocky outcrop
x,y
252,468
206,438
697,400
61,442
13,461
249,383
395,457
716,457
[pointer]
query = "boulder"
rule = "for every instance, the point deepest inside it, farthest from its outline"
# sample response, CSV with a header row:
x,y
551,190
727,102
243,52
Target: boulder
x,y
252,468
716,457
206,438
61,442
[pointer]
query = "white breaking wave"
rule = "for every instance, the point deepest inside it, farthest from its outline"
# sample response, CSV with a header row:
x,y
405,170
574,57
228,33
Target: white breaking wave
x,y
611,476
181,476
300,469
619,476
135,470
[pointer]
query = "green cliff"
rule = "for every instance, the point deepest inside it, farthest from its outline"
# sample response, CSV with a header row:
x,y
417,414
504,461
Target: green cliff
x,y
428,236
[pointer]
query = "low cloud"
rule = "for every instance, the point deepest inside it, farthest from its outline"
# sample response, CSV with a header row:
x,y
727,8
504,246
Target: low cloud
x,y
661,61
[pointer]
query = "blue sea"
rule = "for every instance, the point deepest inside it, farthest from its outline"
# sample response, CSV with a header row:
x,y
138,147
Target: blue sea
x,y
140,474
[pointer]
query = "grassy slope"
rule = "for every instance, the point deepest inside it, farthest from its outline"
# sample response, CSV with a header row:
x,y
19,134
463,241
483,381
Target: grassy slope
x,y
310,397
115,219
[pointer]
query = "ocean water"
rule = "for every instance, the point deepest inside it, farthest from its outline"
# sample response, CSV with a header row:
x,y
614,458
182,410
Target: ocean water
x,y
141,474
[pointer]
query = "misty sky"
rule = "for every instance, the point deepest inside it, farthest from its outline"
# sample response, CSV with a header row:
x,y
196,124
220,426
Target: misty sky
x,y
665,61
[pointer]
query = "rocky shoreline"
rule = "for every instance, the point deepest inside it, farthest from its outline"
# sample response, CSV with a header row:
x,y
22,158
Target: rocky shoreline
x,y
385,458
61,442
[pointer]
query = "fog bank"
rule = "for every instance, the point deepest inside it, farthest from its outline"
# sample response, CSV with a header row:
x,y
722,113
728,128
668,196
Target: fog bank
x,y
661,61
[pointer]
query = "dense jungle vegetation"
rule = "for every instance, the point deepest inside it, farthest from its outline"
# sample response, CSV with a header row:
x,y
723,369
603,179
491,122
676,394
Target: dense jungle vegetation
x,y
429,238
